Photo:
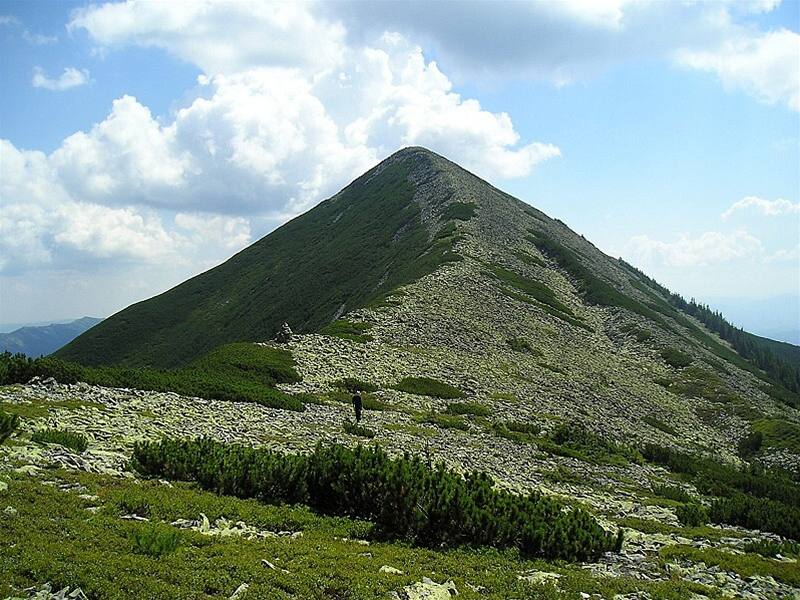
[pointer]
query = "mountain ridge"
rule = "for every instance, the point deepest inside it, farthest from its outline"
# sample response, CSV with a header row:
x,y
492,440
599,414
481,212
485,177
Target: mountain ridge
x,y
40,340
402,220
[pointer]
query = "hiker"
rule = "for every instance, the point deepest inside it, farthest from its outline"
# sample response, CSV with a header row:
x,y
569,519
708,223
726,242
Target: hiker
x,y
357,405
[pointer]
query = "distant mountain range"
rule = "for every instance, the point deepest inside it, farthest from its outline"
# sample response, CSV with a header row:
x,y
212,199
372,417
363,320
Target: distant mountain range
x,y
45,339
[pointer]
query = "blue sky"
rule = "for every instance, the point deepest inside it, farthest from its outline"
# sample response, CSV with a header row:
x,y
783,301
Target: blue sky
x,y
145,142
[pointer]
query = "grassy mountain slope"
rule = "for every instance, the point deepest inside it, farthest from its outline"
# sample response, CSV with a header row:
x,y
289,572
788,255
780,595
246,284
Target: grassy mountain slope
x,y
364,241
44,339
395,225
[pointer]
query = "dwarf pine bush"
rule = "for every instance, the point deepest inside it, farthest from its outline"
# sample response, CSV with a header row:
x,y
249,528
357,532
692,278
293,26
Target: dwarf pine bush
x,y
68,439
431,507
8,423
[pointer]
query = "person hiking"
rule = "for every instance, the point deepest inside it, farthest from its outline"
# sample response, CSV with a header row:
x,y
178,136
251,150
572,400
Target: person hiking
x,y
357,405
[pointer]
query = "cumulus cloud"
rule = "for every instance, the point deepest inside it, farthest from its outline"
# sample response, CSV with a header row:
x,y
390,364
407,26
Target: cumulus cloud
x,y
41,224
766,66
38,39
709,248
70,78
566,41
765,207
218,36
275,141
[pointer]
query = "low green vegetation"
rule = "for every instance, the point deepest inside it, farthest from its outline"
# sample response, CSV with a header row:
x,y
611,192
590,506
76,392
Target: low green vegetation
x,y
428,386
68,439
358,430
692,515
241,372
751,498
639,333
535,289
529,259
673,492
757,513
402,496
657,423
746,565
524,346
594,289
535,292
576,441
155,540
8,423
468,408
348,330
750,445
695,382
676,358
781,361
445,421
779,433
702,531
52,539
517,431
772,549
460,211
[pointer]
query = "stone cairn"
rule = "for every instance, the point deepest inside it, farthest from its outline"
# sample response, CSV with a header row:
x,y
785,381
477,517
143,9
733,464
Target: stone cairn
x,y
284,335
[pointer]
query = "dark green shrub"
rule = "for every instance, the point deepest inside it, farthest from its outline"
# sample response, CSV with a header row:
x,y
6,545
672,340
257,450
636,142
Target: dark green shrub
x,y
347,330
657,423
522,345
522,427
68,439
155,540
772,549
469,408
461,211
432,507
673,492
531,287
713,478
445,421
676,358
427,386
757,513
692,515
359,430
573,439
8,423
243,372
750,444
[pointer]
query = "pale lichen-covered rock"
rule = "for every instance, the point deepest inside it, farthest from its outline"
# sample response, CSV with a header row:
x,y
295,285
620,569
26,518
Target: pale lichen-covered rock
x,y
426,589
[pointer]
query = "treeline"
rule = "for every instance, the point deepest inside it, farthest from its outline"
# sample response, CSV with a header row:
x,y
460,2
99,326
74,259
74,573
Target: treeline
x,y
404,498
757,350
751,498
241,372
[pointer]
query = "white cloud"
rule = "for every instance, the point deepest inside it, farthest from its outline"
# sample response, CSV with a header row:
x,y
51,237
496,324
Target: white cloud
x,y
38,39
8,20
273,142
70,78
709,248
218,36
765,207
792,255
766,65
232,233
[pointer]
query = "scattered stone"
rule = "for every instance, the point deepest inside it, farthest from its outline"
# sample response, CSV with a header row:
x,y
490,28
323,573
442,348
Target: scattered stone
x,y
427,589
239,592
390,570
10,511
284,335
